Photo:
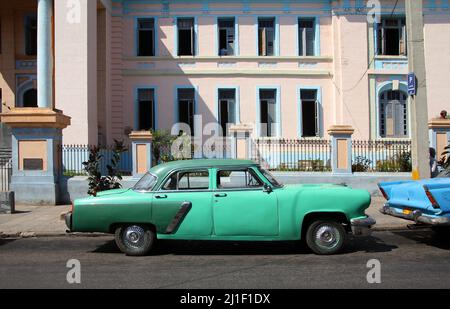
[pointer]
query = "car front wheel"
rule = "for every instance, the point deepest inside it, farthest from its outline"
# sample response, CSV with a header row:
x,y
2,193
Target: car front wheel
x,y
325,237
134,240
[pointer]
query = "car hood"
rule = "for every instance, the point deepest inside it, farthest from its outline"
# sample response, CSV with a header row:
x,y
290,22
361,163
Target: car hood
x,y
112,192
313,186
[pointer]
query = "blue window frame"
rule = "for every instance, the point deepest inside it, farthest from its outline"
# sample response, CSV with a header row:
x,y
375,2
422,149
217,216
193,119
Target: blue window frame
x,y
186,36
267,36
227,36
307,36
186,98
268,111
145,109
145,37
310,111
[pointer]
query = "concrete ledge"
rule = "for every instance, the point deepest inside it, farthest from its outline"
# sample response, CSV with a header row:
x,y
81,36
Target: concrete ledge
x,y
35,193
7,202
77,187
71,188
366,181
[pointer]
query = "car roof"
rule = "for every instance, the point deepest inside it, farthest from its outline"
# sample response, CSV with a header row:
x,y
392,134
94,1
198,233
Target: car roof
x,y
162,169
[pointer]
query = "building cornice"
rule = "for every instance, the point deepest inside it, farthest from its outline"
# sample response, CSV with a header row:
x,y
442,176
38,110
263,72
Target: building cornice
x,y
231,58
225,72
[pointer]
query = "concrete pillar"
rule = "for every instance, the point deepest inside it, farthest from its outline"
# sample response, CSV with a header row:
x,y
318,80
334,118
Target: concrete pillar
x,y
45,54
76,69
141,149
36,159
418,103
341,146
241,146
439,135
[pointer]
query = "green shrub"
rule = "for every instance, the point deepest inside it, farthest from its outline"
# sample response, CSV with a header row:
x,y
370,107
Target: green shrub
x,y
400,162
361,164
97,182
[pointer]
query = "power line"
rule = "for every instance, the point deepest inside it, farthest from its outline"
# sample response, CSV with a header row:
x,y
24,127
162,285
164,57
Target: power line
x,y
370,62
362,76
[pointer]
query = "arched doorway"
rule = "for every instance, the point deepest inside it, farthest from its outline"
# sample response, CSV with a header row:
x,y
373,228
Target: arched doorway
x,y
394,114
30,98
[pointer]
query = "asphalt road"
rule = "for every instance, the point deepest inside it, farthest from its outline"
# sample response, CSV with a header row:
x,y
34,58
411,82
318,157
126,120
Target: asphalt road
x,y
409,259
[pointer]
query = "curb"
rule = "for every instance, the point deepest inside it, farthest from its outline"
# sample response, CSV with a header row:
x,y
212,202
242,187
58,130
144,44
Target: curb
x,y
63,234
49,234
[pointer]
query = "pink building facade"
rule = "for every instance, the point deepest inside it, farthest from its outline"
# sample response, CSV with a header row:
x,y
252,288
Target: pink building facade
x,y
291,69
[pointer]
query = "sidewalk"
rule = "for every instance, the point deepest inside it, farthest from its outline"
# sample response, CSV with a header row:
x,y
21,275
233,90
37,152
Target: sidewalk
x,y
30,221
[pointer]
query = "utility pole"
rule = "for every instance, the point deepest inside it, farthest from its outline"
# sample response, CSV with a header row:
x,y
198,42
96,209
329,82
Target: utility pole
x,y
418,103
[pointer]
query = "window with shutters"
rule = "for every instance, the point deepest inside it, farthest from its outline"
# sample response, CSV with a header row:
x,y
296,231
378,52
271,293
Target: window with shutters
x,y
186,107
266,36
227,108
306,37
309,113
186,36
146,109
146,37
394,114
226,35
391,37
268,112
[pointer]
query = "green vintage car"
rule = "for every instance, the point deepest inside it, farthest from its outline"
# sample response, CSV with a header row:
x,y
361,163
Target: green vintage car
x,y
232,200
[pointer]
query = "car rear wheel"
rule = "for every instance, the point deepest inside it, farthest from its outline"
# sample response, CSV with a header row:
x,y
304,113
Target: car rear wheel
x,y
325,237
134,240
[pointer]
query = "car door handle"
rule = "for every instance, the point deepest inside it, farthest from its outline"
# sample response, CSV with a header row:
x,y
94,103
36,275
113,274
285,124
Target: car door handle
x,y
220,195
161,196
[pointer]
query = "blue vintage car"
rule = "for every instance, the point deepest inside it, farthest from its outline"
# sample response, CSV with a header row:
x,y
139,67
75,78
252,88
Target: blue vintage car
x,y
425,201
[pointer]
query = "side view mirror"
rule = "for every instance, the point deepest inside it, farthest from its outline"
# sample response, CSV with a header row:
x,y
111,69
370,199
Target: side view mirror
x,y
267,188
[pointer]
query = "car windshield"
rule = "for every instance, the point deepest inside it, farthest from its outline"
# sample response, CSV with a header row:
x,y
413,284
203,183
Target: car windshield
x,y
146,183
270,178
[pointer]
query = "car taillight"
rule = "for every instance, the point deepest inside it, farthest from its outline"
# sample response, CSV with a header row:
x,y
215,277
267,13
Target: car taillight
x,y
430,196
384,193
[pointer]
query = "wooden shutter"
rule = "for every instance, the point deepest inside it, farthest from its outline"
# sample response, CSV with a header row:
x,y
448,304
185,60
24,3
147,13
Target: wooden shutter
x,y
402,42
262,42
309,40
317,118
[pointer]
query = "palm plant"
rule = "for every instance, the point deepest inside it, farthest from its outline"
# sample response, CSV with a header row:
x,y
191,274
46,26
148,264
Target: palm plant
x,y
445,162
161,143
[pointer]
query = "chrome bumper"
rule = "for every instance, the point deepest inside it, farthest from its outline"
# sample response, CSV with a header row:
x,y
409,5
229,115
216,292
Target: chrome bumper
x,y
68,219
361,227
416,216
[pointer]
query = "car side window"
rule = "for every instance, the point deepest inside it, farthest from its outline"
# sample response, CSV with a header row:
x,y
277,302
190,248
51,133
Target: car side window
x,y
187,180
238,179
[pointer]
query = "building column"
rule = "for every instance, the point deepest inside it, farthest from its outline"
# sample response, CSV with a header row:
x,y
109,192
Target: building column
x,y
37,132
241,146
439,135
45,54
341,147
141,151
76,69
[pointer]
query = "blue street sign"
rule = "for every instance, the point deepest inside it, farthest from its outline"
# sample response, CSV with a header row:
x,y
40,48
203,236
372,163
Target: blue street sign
x,y
412,84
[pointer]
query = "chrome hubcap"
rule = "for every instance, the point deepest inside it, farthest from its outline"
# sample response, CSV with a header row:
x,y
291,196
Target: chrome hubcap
x,y
133,236
327,236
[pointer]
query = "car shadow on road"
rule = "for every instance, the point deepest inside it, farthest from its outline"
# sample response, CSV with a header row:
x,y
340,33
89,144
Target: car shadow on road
x,y
369,244
198,247
5,241
427,237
